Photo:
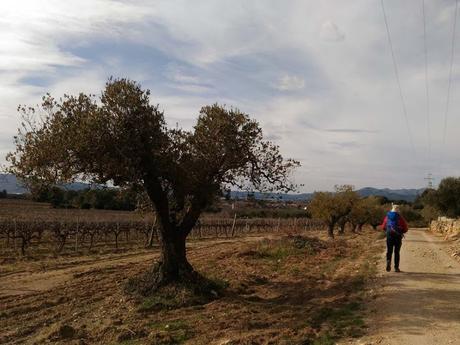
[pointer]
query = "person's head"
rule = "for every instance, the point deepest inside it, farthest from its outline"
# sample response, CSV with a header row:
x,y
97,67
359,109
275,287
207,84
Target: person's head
x,y
394,208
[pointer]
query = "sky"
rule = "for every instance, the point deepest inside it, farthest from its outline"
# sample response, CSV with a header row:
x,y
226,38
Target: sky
x,y
317,75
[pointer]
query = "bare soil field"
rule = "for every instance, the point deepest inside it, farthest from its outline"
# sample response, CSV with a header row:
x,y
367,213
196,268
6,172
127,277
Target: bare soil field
x,y
280,288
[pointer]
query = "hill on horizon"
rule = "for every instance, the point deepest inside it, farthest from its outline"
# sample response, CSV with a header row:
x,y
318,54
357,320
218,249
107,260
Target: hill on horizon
x,y
9,183
406,194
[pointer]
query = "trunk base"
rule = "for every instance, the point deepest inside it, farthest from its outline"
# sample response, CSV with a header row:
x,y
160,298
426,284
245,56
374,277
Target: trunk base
x,y
185,288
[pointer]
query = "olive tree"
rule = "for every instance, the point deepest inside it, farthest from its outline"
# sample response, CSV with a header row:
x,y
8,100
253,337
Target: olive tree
x,y
359,215
446,199
332,207
366,211
376,211
122,139
342,224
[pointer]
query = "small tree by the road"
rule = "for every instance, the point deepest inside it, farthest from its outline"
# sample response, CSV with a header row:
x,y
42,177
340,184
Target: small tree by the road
x,y
331,207
428,197
122,139
411,215
367,211
359,214
342,224
429,213
446,198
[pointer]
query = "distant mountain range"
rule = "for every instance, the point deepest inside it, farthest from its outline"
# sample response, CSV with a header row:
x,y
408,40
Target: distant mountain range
x,y
392,194
408,195
9,183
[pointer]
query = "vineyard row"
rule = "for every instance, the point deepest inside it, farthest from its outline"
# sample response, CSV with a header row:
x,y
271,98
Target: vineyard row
x,y
22,235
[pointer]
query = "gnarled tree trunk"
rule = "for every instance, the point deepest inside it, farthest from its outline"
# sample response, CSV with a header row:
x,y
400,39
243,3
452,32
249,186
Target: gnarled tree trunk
x,y
173,265
330,230
342,226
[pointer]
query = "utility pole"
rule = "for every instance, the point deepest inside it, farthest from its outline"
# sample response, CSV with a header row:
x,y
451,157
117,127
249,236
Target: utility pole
x,y
430,180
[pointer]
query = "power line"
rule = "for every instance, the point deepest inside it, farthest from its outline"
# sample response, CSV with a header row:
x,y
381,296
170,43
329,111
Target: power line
x,y
449,85
395,67
427,96
426,85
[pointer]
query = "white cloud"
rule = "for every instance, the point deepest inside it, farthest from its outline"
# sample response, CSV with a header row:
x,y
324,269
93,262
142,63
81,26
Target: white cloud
x,y
331,33
32,31
243,53
185,81
178,74
290,83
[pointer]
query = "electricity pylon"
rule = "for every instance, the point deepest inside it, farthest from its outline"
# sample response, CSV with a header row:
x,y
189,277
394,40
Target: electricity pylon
x,y
430,180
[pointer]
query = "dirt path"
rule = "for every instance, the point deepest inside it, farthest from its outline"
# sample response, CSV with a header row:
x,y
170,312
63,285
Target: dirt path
x,y
30,282
421,305
24,283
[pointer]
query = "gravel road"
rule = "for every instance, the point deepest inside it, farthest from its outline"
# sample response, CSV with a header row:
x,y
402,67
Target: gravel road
x,y
421,305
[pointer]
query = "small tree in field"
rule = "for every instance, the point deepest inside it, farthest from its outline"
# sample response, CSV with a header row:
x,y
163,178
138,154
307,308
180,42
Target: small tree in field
x,y
342,223
366,211
332,207
376,211
359,214
122,139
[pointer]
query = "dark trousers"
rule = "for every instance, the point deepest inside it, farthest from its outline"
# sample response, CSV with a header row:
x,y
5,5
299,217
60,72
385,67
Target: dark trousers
x,y
393,241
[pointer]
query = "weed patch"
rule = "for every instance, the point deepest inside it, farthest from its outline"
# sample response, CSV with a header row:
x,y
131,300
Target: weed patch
x,y
171,332
331,266
280,249
130,342
325,339
342,321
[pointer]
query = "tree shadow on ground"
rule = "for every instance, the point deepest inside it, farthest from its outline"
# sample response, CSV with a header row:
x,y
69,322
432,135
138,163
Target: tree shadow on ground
x,y
299,303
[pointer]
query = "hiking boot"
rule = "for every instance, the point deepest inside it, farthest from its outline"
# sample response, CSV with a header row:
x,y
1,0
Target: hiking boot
x,y
397,269
388,267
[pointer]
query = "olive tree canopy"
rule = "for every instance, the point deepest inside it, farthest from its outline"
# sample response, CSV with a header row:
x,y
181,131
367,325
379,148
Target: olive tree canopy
x,y
331,207
446,198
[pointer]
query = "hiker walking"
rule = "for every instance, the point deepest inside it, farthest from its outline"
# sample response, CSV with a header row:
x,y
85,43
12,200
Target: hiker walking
x,y
395,227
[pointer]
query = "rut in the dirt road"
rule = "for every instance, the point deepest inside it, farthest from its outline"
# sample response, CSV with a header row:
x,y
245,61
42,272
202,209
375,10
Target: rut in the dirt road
x,y
420,305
